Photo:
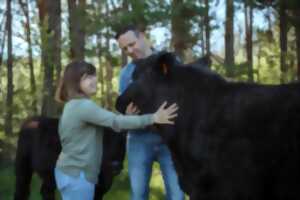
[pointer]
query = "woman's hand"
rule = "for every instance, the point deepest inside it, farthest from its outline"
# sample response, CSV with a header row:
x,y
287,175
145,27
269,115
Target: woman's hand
x,y
132,109
164,115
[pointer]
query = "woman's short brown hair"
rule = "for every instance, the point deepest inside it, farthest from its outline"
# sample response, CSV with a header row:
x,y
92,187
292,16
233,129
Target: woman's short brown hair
x,y
69,85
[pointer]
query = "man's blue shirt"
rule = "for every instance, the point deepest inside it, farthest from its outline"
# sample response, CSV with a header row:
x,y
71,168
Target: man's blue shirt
x,y
125,77
124,81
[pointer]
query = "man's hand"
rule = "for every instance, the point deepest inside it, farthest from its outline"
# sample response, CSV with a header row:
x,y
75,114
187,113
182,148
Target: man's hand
x,y
132,109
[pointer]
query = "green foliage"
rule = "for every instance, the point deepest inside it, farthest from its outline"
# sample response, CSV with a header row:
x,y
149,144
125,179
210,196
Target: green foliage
x,y
141,13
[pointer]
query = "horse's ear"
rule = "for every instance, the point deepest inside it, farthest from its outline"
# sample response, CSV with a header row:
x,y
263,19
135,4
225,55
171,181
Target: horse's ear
x,y
165,61
203,62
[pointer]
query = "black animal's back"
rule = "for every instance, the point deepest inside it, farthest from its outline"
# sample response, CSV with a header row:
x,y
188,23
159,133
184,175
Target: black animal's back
x,y
231,140
38,149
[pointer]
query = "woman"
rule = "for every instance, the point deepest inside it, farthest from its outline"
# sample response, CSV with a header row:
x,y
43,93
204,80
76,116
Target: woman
x,y
80,131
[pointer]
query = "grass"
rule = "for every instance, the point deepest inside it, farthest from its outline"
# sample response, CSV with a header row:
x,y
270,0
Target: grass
x,y
120,188
7,182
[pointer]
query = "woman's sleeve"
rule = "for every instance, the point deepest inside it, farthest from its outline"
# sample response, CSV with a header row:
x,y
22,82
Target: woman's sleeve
x,y
92,113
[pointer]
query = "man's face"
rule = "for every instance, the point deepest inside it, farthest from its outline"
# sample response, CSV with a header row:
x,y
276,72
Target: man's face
x,y
133,44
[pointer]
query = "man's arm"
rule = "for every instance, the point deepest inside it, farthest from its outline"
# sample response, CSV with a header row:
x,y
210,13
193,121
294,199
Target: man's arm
x,y
122,81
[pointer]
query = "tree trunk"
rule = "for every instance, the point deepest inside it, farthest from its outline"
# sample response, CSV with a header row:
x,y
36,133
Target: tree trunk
x,y
101,68
124,57
283,41
77,28
10,86
2,43
229,39
49,13
259,55
178,29
109,76
293,17
207,28
249,33
25,9
298,49
57,40
202,37
109,70
100,55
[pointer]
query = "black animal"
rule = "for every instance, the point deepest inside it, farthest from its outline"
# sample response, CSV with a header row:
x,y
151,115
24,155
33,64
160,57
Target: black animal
x,y
231,140
38,149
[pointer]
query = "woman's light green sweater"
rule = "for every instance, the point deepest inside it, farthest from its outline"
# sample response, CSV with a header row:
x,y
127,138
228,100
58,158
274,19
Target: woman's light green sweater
x,y
80,132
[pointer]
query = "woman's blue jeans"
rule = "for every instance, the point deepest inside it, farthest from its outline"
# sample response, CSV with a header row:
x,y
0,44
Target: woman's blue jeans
x,y
74,188
142,150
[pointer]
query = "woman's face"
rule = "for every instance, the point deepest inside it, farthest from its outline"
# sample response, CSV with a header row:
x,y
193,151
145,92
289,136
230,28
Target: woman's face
x,y
88,84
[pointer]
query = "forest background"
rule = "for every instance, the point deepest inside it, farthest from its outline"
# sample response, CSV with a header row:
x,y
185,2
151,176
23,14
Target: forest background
x,y
246,40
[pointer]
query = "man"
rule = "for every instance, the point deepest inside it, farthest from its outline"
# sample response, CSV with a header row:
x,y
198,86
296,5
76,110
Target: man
x,y
143,148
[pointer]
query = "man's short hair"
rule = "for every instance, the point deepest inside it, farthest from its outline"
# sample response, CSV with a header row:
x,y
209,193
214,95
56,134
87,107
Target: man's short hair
x,y
125,29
